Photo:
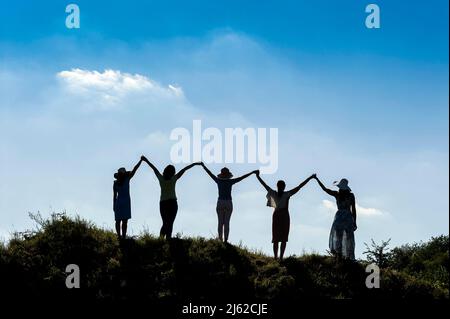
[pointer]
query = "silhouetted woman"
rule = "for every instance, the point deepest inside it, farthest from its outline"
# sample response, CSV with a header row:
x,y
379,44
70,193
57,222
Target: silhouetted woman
x,y
279,200
168,205
342,239
121,199
224,206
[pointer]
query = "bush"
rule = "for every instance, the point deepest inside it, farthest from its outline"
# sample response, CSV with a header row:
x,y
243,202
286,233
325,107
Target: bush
x,y
427,261
156,270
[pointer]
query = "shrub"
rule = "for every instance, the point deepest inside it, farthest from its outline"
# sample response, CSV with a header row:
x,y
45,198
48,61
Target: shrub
x,y
156,270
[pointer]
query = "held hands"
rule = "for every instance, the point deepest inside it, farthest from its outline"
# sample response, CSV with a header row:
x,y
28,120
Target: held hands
x,y
143,158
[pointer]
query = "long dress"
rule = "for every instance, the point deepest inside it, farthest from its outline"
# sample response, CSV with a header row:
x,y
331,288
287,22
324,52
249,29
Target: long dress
x,y
342,239
122,207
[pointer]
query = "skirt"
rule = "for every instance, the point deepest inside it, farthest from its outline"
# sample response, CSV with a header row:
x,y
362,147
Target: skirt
x,y
122,208
280,225
342,238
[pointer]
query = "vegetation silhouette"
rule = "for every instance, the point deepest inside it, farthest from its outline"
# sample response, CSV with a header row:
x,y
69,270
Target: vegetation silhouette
x,y
158,271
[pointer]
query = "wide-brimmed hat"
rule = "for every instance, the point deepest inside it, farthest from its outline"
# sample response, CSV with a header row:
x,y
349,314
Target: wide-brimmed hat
x,y
343,185
120,171
225,173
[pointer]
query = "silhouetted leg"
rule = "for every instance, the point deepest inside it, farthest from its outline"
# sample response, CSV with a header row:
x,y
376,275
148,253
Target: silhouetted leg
x,y
124,228
226,226
220,226
283,248
275,250
172,214
220,221
226,232
166,229
169,228
118,228
163,212
162,232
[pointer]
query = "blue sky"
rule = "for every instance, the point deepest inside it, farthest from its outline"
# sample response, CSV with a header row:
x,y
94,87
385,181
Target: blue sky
x,y
369,105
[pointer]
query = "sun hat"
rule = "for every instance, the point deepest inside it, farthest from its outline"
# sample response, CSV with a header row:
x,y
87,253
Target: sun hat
x,y
343,185
120,171
225,173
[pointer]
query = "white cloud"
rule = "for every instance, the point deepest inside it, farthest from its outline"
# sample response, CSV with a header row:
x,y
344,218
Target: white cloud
x,y
328,204
360,210
368,211
177,91
112,86
157,138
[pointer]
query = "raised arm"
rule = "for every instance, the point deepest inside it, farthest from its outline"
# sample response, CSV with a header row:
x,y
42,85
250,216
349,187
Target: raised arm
x,y
353,208
135,168
326,190
299,187
155,170
209,172
181,172
262,182
238,179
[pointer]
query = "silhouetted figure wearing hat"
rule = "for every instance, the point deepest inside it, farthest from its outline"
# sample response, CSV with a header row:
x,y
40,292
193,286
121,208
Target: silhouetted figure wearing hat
x,y
122,200
168,205
342,239
224,206
279,200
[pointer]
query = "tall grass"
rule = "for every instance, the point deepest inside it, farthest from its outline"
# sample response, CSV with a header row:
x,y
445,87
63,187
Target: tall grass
x,y
152,269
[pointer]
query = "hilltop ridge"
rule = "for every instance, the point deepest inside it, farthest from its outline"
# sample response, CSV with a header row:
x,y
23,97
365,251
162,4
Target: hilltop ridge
x,y
155,270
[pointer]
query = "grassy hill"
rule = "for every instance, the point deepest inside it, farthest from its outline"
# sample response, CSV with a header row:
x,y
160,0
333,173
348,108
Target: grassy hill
x,y
33,265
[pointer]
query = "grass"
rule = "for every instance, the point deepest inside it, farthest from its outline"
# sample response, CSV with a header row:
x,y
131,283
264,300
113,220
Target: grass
x,y
155,270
